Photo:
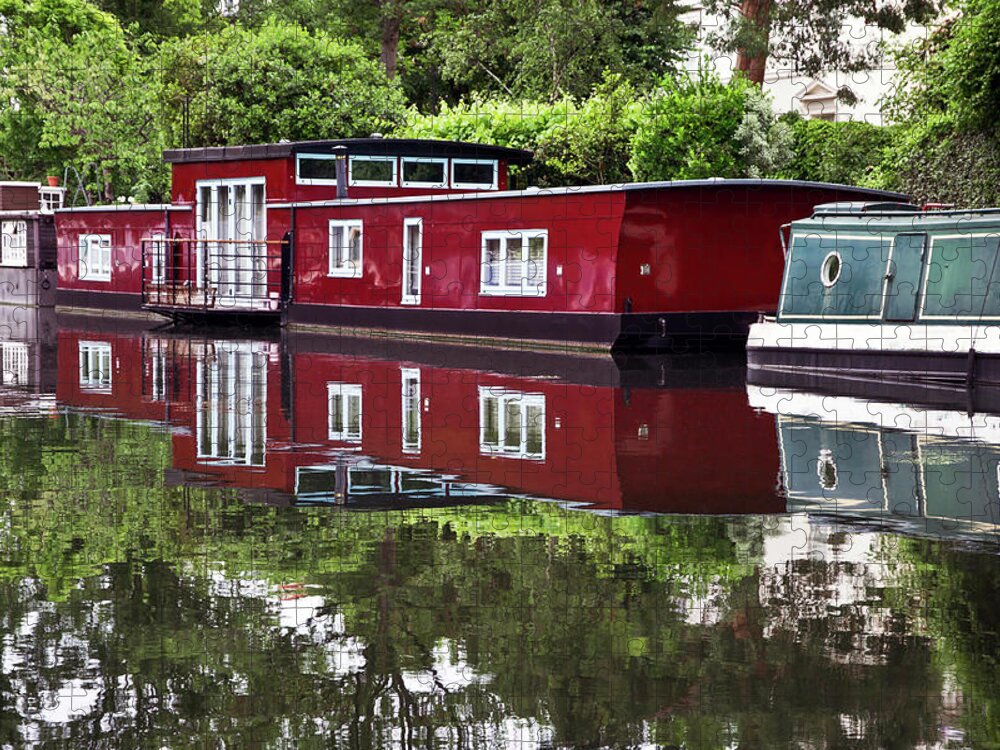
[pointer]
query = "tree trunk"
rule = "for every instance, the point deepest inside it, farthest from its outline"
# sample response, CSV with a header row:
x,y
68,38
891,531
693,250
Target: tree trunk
x,y
392,18
753,61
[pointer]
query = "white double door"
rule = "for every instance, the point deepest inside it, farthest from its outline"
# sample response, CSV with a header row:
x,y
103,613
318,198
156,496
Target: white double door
x,y
232,222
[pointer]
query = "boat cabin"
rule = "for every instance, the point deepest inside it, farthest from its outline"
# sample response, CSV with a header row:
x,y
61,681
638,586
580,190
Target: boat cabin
x,y
886,288
424,236
28,248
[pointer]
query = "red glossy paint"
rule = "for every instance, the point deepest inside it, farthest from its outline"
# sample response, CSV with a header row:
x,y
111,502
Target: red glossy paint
x,y
670,450
127,227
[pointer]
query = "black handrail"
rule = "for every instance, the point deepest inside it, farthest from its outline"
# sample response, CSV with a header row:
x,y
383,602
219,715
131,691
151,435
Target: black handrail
x,y
199,275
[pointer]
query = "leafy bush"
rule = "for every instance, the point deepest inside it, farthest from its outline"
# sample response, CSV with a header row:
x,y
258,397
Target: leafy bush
x,y
937,161
272,83
696,128
843,152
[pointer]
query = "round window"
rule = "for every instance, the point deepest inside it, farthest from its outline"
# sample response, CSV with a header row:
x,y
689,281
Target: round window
x,y
830,271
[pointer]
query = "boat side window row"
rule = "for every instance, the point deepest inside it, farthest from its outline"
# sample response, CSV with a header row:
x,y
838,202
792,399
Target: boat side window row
x,y
404,171
513,262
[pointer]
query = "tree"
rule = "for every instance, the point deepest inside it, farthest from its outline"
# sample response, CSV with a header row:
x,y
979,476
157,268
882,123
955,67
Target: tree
x,y
807,35
554,48
278,81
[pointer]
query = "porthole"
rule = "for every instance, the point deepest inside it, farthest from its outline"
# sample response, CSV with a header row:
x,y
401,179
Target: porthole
x,y
830,271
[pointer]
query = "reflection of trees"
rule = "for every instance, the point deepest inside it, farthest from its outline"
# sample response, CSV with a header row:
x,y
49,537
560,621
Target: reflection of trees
x,y
165,603
959,591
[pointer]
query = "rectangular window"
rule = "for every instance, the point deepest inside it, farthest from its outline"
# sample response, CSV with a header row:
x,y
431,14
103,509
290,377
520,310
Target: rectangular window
x,y
344,412
346,245
474,174
14,251
95,366
158,257
316,169
411,409
373,171
431,173
511,423
95,257
413,241
514,263
15,363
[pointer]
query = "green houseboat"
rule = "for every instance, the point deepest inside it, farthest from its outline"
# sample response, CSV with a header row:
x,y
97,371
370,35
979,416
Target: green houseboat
x,y
887,291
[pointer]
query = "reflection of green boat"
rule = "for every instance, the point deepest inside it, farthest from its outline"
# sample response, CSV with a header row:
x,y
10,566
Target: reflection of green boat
x,y
887,291
926,472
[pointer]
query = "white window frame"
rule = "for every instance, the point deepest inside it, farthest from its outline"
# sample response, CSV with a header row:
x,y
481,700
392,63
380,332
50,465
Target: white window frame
x,y
372,183
158,241
50,199
410,401
412,296
11,255
89,271
346,391
445,170
503,289
15,363
299,180
475,185
348,271
94,356
503,397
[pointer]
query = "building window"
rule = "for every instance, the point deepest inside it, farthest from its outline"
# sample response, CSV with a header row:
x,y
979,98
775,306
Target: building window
x,y
346,238
431,173
474,174
511,424
14,251
344,412
15,363
95,257
50,199
316,169
514,263
411,409
373,171
95,366
158,257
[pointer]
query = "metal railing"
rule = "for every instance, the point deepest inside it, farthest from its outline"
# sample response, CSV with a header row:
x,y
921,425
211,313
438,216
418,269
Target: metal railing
x,y
199,275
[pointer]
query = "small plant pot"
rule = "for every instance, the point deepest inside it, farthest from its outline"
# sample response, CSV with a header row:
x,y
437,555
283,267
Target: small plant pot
x,y
53,181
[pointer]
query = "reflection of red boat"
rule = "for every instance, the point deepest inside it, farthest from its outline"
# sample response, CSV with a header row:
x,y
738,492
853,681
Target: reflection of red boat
x,y
300,418
424,236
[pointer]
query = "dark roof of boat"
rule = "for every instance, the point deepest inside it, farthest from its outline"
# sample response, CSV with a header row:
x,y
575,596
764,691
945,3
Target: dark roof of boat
x,y
843,208
366,146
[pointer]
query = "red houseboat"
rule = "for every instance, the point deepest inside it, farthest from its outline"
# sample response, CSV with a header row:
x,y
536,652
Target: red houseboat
x,y
424,236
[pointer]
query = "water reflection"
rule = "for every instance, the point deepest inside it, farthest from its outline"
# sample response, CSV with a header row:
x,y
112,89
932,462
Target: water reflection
x,y
180,564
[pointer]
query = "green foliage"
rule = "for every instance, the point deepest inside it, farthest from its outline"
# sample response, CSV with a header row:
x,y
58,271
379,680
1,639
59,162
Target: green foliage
x,y
808,36
272,83
89,103
937,161
847,153
700,127
947,146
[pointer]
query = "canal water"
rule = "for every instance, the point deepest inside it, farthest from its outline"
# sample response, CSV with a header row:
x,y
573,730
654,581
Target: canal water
x,y
299,541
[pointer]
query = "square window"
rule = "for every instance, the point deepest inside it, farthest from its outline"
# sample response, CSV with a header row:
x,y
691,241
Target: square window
x,y
511,424
346,248
514,263
95,257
